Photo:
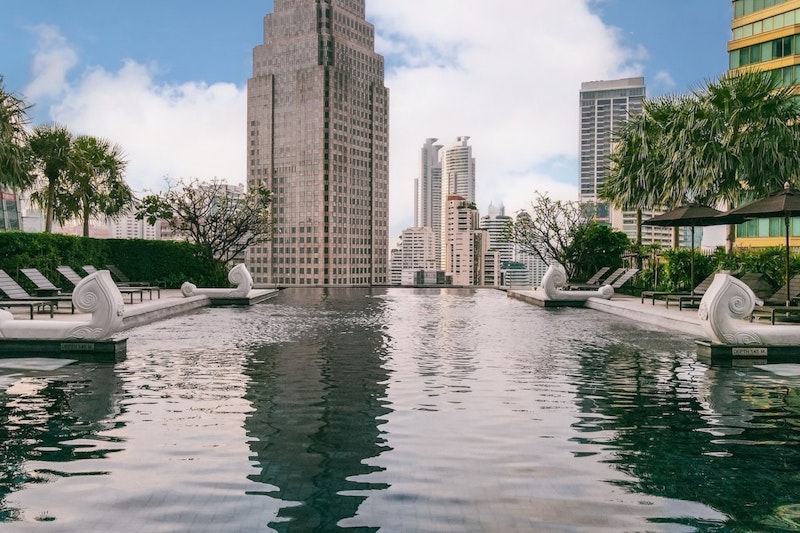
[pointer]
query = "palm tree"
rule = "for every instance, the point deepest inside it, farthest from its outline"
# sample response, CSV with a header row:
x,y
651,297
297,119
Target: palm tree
x,y
745,139
51,148
638,176
96,186
15,169
734,137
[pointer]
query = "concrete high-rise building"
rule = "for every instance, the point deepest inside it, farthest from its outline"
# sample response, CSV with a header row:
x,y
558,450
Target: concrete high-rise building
x,y
127,227
458,179
317,137
604,105
533,263
495,223
428,192
468,260
10,216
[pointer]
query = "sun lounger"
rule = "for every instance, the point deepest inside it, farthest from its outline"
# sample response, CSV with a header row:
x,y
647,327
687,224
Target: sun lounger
x,y
624,278
144,287
608,280
775,307
44,287
597,276
75,278
13,291
30,304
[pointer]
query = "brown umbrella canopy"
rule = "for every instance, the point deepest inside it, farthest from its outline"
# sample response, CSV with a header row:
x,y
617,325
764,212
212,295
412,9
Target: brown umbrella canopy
x,y
687,215
783,203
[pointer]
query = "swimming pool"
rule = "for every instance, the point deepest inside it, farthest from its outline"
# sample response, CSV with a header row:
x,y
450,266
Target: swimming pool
x,y
399,410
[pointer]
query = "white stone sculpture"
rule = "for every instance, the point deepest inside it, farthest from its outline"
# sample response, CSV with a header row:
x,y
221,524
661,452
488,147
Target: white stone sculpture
x,y
725,311
556,276
238,275
96,294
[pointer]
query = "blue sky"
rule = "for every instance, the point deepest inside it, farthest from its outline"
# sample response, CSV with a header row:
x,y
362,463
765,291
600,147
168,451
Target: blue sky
x,y
166,79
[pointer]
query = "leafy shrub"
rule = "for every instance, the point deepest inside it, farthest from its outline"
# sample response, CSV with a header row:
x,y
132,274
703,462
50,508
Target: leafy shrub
x,y
167,263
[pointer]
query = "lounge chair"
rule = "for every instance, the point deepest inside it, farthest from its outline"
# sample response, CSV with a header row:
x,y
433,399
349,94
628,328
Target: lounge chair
x,y
595,277
44,287
608,280
30,304
16,293
120,282
775,307
75,278
624,278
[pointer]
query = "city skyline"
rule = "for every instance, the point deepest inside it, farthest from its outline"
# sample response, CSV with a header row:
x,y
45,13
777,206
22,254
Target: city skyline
x,y
167,82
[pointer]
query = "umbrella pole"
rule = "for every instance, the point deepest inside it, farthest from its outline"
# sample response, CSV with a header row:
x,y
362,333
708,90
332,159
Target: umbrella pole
x,y
788,291
691,264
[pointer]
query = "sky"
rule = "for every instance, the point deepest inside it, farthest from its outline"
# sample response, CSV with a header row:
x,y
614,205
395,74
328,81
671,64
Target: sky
x,y
167,80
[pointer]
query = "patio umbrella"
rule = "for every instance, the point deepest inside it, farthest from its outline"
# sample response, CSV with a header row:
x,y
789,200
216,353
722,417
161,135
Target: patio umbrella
x,y
691,215
783,203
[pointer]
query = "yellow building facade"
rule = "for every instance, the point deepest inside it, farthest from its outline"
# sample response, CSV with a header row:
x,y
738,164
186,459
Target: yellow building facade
x,y
766,37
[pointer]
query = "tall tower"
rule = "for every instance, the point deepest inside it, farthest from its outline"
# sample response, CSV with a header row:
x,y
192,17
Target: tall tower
x,y
495,224
458,179
428,192
317,130
604,105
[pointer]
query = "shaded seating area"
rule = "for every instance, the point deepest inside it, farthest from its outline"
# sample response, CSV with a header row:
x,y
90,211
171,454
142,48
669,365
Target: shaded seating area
x,y
699,290
775,307
74,278
16,296
144,287
755,280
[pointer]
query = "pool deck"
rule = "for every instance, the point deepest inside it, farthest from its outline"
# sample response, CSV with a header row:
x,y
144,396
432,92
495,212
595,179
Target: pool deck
x,y
657,314
141,312
632,308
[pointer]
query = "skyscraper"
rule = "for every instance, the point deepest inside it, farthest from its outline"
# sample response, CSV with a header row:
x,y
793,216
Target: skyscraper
x,y
317,130
428,192
458,179
604,105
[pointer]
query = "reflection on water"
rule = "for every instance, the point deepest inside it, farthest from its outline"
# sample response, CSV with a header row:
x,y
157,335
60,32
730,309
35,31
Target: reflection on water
x,y
400,410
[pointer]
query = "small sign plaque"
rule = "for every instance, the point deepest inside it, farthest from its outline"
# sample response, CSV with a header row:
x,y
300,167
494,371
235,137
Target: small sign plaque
x,y
77,346
739,350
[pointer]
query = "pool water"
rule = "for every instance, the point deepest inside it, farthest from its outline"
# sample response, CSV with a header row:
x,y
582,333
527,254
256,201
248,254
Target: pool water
x,y
400,410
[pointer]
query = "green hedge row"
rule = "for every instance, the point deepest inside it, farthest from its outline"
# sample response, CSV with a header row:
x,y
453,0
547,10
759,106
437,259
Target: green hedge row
x,y
166,263
675,266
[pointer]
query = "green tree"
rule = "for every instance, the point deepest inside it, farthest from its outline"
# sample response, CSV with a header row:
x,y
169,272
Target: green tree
x,y
212,215
15,167
96,186
51,151
548,231
594,246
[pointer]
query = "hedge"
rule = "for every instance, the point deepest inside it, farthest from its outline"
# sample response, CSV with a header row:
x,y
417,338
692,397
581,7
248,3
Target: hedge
x,y
166,263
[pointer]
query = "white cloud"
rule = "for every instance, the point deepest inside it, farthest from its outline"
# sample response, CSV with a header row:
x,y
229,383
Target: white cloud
x,y
180,131
53,59
664,80
509,78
